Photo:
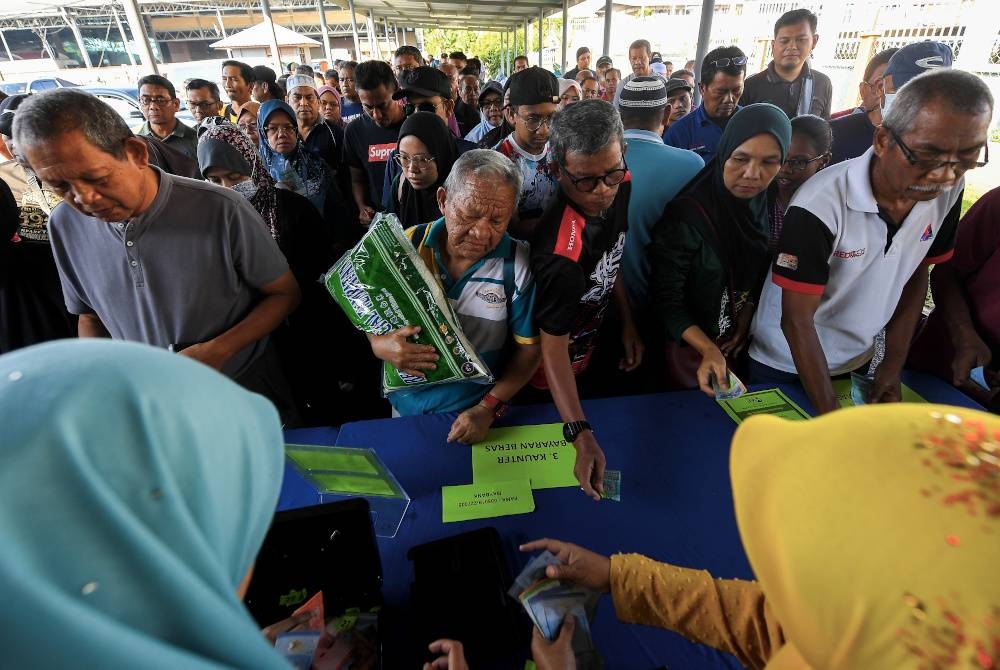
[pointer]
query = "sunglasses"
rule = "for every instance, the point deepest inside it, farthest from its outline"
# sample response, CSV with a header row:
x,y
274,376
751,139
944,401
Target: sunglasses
x,y
727,62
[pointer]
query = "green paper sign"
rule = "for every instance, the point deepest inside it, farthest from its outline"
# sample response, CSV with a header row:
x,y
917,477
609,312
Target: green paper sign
x,y
486,501
770,401
345,470
538,454
331,458
842,388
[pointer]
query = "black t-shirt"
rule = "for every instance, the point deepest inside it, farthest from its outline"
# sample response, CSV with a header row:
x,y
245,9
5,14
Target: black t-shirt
x,y
367,147
495,136
575,260
852,135
767,86
467,117
326,141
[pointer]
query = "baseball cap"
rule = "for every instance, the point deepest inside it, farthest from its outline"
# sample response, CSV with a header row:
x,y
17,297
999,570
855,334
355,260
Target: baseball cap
x,y
297,80
582,50
643,93
533,87
915,59
423,80
7,108
264,73
491,87
655,57
678,84
604,60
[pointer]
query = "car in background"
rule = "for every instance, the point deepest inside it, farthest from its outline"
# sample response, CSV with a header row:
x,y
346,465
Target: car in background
x,y
125,101
35,85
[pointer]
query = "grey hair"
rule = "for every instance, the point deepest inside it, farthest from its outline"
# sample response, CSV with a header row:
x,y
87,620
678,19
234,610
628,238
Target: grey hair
x,y
586,127
46,116
486,164
961,92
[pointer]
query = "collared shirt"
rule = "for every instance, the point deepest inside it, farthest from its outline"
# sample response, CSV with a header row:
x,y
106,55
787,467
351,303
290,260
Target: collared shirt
x,y
791,96
183,137
539,185
187,269
838,244
696,132
487,314
658,172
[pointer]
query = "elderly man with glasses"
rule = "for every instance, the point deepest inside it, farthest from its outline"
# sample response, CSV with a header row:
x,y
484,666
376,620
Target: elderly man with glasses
x,y
857,240
533,96
159,104
576,254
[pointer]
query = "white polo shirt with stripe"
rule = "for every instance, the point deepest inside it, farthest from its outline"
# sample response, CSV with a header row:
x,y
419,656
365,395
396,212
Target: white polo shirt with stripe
x,y
835,242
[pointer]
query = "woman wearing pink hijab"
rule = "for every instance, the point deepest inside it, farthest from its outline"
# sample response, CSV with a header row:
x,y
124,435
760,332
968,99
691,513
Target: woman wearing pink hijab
x,y
329,105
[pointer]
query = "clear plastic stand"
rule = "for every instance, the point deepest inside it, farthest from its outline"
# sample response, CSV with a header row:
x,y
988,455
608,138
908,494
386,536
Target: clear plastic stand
x,y
338,473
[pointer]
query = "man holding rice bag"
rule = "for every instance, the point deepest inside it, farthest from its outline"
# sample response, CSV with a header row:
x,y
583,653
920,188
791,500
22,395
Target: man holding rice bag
x,y
486,277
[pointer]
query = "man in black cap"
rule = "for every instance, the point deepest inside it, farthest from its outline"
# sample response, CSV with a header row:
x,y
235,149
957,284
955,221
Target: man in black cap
x,y
582,63
679,94
533,97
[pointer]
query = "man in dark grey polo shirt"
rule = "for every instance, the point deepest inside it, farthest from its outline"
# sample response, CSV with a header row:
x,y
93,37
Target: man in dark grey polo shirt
x,y
151,257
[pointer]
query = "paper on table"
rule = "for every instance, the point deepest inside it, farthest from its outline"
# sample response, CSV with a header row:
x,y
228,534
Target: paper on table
x,y
344,482
536,453
770,401
331,458
842,389
486,500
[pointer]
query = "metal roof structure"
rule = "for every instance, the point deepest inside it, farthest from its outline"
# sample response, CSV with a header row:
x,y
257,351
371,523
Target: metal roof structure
x,y
487,16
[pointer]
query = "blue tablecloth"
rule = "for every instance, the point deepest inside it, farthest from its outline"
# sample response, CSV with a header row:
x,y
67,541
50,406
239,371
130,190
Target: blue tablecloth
x,y
677,507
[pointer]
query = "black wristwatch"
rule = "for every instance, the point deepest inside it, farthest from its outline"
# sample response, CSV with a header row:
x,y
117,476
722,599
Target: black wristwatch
x,y
572,430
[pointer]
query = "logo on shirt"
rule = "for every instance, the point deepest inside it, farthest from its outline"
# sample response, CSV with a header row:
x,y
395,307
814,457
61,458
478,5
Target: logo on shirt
x,y
928,233
856,253
379,153
787,261
569,242
491,297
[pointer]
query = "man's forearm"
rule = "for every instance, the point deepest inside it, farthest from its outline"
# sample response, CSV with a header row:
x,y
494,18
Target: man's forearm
x,y
559,374
262,319
899,331
90,325
950,298
359,188
519,370
810,363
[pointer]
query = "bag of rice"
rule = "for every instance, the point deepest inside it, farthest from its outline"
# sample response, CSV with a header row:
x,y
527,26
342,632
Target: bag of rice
x,y
382,285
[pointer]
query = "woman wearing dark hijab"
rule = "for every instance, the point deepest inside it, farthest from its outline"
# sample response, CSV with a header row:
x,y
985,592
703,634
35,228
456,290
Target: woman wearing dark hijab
x,y
709,250
426,152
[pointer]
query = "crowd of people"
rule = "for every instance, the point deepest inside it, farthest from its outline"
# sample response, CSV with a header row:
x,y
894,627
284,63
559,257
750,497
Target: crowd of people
x,y
596,235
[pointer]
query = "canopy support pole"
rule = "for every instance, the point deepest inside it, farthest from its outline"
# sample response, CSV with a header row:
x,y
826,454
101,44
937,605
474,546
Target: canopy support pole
x,y
704,38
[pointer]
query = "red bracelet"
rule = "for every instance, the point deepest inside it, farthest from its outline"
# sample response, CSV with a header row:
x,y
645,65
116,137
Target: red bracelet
x,y
494,404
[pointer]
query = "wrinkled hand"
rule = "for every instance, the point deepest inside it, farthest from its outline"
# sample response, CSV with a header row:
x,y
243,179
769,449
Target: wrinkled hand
x,y
556,655
206,352
887,386
734,345
452,656
969,354
580,566
713,363
634,348
471,425
288,625
395,349
589,468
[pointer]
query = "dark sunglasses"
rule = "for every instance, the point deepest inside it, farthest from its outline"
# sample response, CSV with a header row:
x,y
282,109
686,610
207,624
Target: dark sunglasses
x,y
726,62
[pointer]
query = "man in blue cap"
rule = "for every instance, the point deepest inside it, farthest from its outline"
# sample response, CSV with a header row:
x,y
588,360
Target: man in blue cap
x,y
852,134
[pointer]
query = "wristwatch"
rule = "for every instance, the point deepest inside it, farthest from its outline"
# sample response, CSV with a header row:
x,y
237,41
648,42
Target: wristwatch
x,y
494,404
572,430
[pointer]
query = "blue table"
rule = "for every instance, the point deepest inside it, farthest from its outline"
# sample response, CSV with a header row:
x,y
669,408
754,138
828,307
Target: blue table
x,y
673,452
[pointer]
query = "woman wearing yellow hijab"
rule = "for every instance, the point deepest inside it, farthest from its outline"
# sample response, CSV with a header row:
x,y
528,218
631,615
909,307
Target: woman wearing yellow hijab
x,y
874,534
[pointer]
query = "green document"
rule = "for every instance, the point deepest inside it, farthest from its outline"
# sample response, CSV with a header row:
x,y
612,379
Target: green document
x,y
536,453
770,401
343,470
340,482
485,501
842,388
330,458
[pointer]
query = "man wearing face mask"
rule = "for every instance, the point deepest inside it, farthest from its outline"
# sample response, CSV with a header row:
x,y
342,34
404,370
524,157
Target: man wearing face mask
x,y
852,134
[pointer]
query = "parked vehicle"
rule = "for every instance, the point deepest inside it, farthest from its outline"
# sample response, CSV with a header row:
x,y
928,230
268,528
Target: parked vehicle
x,y
125,101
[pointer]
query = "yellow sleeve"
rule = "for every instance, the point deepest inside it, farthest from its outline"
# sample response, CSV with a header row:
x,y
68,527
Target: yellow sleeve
x,y
728,614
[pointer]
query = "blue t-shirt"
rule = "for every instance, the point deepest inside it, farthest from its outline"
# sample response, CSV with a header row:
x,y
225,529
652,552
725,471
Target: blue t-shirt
x,y
658,173
350,110
485,311
696,132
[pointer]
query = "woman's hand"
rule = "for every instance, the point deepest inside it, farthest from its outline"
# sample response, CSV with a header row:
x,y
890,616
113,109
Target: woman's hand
x,y
580,565
556,655
713,363
452,656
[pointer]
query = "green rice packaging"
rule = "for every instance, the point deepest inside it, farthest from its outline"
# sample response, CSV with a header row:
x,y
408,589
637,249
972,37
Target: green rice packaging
x,y
382,285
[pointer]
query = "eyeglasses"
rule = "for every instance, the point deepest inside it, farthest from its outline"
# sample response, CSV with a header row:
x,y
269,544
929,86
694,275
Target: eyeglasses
x,y
726,62
286,128
196,104
800,164
417,163
872,84
533,123
159,101
931,164
248,128
492,104
588,184
412,107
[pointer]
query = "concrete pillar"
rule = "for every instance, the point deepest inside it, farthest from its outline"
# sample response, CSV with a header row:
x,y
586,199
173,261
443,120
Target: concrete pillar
x,y
354,30
388,40
608,13
6,47
373,47
71,20
138,29
121,31
565,33
541,34
526,38
265,8
704,38
326,32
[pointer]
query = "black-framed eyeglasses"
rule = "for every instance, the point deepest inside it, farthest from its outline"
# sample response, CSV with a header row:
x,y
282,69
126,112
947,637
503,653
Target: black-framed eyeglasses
x,y
201,104
800,164
533,123
412,107
727,62
276,130
931,164
492,104
149,101
588,184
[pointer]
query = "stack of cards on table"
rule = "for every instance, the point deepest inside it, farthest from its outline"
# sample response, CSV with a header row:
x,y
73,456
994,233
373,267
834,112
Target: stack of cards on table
x,y
548,601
